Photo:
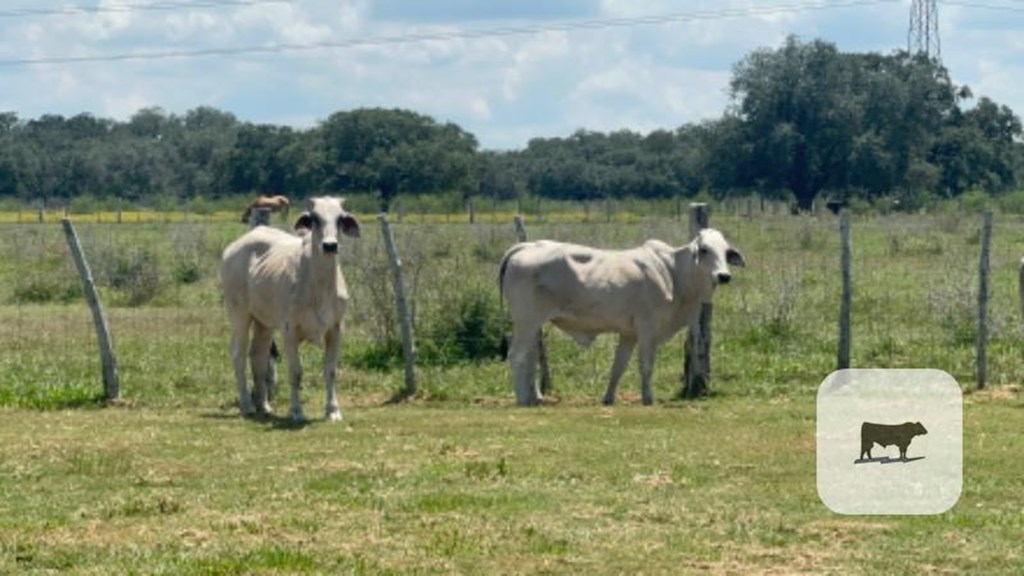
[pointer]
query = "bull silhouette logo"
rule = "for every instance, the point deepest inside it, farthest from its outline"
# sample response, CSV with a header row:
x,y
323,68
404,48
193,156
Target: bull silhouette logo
x,y
885,435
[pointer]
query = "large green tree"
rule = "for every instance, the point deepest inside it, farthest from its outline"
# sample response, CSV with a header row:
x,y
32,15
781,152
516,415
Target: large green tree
x,y
394,151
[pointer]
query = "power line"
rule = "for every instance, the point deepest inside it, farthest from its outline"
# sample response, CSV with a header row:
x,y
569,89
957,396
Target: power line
x,y
769,10
998,7
81,9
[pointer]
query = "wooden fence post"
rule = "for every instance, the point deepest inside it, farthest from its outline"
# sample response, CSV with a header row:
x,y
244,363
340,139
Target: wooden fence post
x,y
542,348
408,342
846,302
983,283
111,386
697,355
259,217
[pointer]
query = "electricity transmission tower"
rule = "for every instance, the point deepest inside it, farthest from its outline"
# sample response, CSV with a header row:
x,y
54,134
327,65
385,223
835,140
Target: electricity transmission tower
x,y
923,35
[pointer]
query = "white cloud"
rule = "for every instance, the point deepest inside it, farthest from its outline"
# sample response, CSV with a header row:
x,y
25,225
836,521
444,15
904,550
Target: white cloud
x,y
123,106
504,88
193,24
535,55
479,109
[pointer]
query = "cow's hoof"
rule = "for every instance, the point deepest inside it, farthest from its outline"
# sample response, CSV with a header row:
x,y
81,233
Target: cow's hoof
x,y
298,417
333,415
648,401
608,401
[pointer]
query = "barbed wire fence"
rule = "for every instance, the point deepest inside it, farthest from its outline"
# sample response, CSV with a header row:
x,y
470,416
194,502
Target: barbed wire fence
x,y
915,295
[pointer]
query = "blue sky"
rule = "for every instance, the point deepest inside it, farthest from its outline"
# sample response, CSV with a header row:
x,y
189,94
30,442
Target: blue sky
x,y
505,70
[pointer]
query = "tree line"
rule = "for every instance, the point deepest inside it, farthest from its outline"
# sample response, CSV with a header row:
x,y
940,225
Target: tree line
x,y
804,121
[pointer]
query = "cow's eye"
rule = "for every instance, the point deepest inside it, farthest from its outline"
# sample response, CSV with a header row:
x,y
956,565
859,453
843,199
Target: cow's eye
x,y
703,251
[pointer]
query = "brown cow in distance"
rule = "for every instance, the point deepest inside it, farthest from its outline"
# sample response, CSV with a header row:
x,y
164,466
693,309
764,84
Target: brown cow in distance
x,y
276,203
888,435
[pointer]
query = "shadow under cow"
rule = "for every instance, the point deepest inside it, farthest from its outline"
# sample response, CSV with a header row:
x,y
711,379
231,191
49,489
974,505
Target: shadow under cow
x,y
887,460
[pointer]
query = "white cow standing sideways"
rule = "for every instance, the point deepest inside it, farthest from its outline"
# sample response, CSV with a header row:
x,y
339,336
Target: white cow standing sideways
x,y
645,295
272,279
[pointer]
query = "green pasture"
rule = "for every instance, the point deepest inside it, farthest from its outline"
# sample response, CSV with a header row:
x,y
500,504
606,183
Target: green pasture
x,y
172,481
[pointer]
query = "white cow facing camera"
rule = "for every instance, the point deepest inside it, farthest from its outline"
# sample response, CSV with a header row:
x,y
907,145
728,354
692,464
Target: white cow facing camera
x,y
272,279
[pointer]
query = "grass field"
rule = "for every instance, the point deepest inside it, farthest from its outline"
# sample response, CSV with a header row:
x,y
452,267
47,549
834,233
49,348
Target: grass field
x,y
172,481
722,486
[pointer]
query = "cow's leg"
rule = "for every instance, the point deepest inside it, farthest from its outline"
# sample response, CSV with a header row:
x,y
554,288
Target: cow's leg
x,y
522,359
622,355
259,360
239,346
291,350
332,346
648,348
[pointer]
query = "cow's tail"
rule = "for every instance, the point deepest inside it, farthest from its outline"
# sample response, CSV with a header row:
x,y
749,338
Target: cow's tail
x,y
502,268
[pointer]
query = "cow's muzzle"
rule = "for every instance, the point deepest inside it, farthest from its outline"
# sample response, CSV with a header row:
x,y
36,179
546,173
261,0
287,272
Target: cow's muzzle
x,y
330,246
724,277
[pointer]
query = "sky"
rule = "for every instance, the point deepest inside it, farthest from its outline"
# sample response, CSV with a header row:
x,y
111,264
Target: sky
x,y
504,70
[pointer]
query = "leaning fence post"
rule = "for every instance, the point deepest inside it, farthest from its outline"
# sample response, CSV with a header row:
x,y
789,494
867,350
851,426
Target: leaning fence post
x,y
697,355
111,387
542,348
983,282
846,302
408,343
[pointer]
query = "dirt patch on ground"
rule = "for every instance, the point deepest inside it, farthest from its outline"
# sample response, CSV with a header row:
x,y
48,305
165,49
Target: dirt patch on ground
x,y
1007,393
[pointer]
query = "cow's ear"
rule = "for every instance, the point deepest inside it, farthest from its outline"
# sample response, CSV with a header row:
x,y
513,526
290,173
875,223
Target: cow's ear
x,y
734,257
349,225
304,223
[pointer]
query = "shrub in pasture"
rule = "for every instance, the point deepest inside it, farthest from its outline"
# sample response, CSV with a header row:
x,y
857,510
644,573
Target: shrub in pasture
x,y
806,238
472,330
42,270
775,316
187,271
189,244
375,355
201,206
974,202
41,288
1012,202
469,331
135,275
84,204
489,251
902,243
954,304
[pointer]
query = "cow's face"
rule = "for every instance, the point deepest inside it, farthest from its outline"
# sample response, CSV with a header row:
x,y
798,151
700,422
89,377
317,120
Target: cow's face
x,y
714,255
323,219
919,429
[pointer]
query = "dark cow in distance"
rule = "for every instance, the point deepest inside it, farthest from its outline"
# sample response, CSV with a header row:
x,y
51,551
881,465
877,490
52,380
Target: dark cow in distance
x,y
888,435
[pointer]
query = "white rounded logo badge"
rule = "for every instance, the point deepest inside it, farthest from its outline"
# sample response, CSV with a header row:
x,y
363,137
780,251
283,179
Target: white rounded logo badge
x,y
889,441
